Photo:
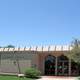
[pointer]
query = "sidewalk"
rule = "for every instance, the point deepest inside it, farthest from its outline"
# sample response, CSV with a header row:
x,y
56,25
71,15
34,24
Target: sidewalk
x,y
56,78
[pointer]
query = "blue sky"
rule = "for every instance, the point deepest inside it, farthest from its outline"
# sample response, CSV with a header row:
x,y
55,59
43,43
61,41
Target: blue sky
x,y
39,22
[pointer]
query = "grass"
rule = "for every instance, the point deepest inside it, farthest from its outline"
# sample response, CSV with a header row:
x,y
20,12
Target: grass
x,y
13,78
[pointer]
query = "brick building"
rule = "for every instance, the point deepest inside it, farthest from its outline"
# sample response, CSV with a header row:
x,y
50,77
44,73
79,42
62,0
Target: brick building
x,y
50,60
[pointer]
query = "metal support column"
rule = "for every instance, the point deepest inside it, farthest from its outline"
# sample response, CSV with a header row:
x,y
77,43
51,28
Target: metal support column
x,y
69,67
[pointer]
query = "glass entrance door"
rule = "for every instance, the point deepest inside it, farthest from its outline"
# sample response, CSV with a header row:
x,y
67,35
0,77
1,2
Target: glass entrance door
x,y
50,65
63,68
59,66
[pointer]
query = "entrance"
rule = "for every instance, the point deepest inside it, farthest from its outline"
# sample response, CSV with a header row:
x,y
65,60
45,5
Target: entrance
x,y
63,66
50,65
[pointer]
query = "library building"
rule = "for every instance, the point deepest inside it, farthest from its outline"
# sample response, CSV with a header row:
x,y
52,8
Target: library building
x,y
50,60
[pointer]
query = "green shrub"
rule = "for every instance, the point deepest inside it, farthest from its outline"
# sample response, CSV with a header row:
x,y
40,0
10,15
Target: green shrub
x,y
79,78
32,73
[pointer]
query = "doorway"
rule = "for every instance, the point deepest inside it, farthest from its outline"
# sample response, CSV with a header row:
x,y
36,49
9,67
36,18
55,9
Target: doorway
x,y
63,66
50,65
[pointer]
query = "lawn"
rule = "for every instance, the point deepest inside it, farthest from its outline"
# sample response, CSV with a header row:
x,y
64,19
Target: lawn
x,y
13,78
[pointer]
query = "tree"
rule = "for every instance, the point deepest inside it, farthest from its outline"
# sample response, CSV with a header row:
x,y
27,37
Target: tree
x,y
9,46
74,54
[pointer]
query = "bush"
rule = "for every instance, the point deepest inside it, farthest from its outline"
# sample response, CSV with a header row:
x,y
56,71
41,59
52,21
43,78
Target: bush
x,y
79,78
32,73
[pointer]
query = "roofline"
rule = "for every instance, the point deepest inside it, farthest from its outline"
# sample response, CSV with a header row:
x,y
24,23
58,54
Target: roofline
x,y
40,48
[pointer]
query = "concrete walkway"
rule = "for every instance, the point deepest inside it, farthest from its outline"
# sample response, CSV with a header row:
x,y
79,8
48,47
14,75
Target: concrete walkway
x,y
56,78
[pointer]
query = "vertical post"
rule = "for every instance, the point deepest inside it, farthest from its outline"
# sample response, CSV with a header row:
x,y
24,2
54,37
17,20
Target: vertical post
x,y
56,66
17,61
0,62
69,67
18,66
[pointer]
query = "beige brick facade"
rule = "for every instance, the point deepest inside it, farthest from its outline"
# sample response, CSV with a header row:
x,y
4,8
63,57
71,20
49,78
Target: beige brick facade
x,y
16,60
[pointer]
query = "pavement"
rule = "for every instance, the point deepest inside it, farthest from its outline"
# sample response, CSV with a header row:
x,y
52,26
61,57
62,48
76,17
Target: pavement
x,y
56,78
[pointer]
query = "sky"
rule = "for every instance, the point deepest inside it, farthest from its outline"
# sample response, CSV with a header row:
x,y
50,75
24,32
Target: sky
x,y
39,22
